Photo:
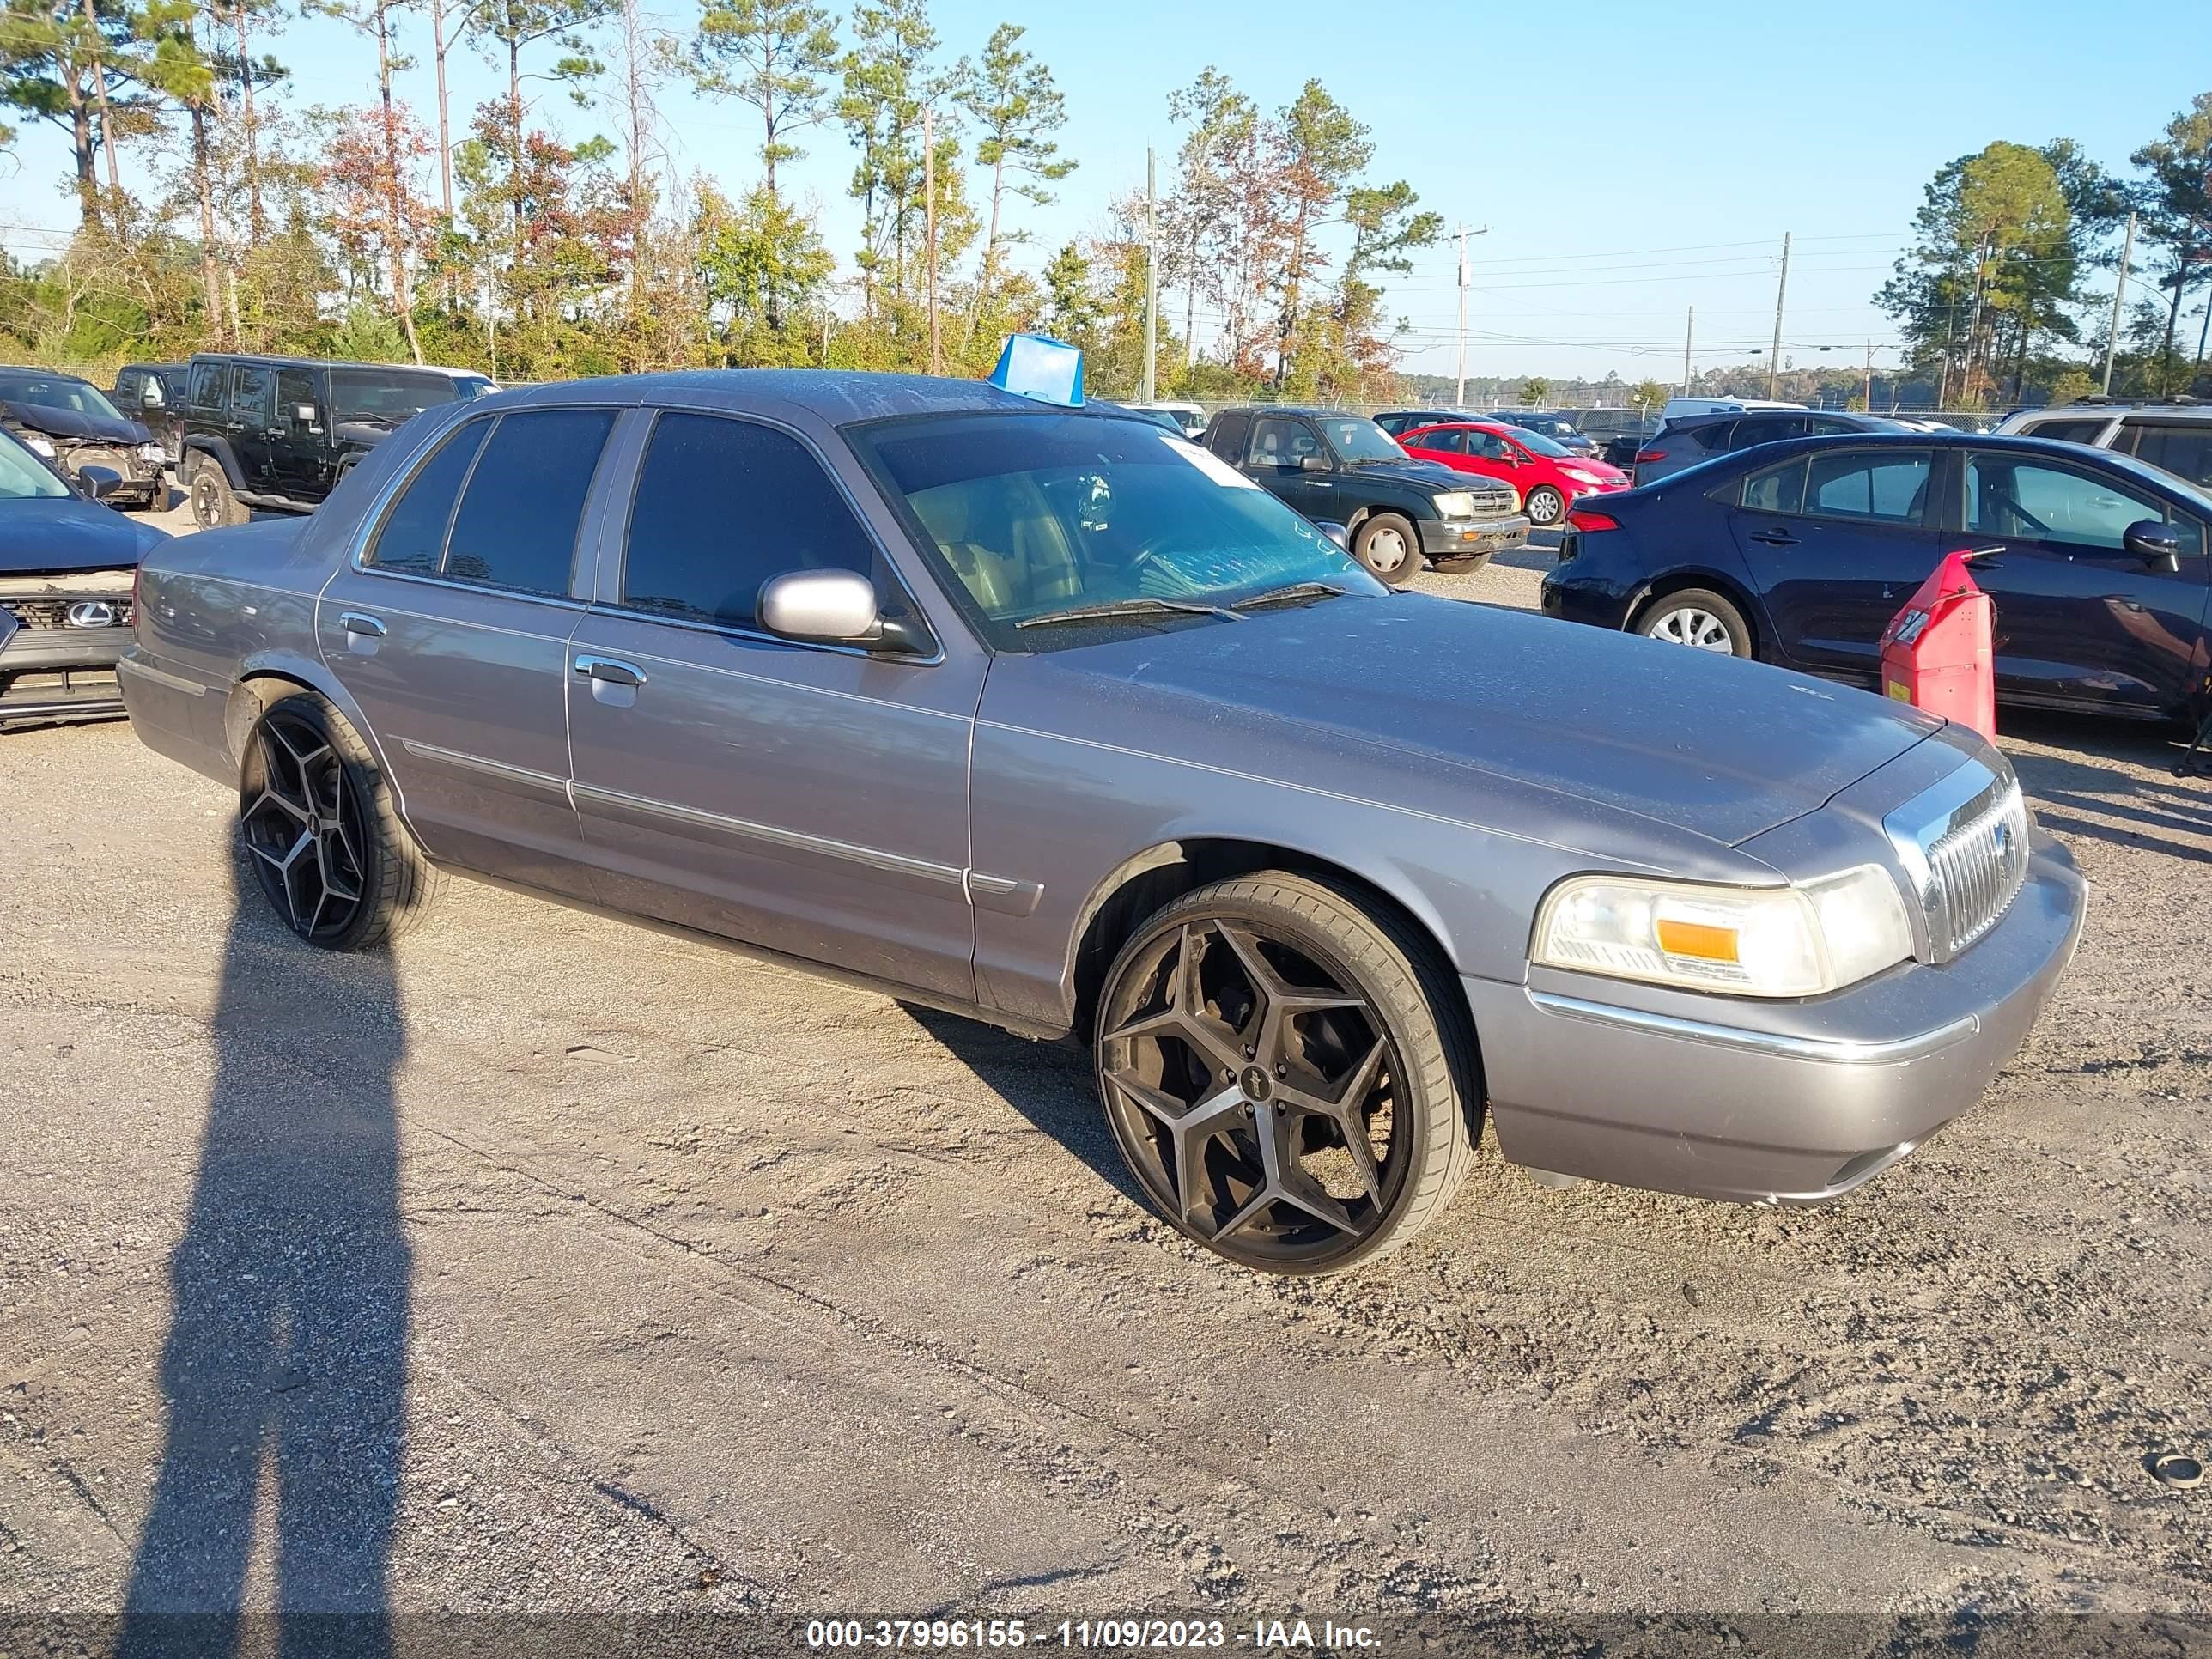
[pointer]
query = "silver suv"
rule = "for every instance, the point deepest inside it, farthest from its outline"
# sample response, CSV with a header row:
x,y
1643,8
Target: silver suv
x,y
2175,437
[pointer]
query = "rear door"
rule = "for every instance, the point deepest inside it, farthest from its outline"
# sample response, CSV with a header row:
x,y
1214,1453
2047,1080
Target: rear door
x,y
451,628
811,799
2080,620
1447,445
1835,542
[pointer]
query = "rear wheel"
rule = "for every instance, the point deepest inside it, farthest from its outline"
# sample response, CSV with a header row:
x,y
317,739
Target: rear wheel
x,y
1699,618
1281,1068
1546,507
213,504
332,858
1390,547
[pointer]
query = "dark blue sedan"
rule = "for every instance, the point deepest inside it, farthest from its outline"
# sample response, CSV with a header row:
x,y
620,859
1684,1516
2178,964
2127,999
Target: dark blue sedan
x,y
1799,553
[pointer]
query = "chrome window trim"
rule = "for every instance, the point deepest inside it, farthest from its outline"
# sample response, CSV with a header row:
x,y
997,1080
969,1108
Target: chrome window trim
x,y
761,636
628,509
1834,1051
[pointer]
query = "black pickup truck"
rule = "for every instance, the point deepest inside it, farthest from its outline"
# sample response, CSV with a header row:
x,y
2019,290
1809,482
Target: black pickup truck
x,y
1339,468
278,433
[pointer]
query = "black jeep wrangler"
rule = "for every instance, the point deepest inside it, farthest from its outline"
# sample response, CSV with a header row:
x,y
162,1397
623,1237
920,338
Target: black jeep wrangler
x,y
278,433
1339,468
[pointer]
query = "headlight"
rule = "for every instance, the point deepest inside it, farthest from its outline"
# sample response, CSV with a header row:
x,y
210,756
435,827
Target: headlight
x,y
1796,941
38,446
153,452
1455,504
1580,476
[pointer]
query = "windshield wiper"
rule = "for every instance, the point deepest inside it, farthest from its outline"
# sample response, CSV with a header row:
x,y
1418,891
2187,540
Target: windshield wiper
x,y
1290,590
1137,607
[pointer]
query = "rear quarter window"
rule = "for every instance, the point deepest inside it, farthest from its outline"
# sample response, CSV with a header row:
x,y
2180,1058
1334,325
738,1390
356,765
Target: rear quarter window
x,y
2066,432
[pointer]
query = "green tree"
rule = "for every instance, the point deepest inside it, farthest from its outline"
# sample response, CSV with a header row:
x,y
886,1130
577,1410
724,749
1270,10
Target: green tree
x,y
1017,107
775,55
1534,391
1648,394
2177,214
1197,217
761,264
889,80
1072,309
1322,150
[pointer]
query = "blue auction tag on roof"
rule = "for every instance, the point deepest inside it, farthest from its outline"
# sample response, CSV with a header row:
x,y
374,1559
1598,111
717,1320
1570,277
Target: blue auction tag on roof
x,y
1037,366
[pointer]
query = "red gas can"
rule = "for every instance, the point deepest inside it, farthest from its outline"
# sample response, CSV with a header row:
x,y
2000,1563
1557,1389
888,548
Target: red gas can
x,y
1937,653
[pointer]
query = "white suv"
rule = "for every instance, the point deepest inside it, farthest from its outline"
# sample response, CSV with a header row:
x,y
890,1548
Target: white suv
x,y
2176,437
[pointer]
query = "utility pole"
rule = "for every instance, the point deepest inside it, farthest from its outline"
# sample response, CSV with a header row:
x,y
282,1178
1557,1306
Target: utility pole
x,y
1459,392
1689,333
929,235
2112,335
1869,386
1781,288
1149,388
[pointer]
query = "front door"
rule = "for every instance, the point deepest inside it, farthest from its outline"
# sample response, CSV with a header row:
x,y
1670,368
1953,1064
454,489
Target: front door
x,y
452,633
808,799
250,421
2080,620
297,464
1837,542
1276,459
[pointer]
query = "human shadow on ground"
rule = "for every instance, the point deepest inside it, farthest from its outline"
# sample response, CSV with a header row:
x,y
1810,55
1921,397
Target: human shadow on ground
x,y
285,1364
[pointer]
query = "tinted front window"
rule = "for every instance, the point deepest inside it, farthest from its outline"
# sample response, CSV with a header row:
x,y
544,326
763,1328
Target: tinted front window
x,y
295,389
1891,487
413,536
1277,441
1488,446
2024,502
1037,513
251,390
54,392
2183,449
722,505
206,386
517,523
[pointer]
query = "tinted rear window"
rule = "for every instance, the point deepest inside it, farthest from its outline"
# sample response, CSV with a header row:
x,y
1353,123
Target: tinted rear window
x,y
413,538
518,522
2182,448
2068,432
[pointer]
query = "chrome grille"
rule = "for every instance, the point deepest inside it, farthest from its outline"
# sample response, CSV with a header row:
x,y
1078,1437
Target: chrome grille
x,y
53,612
1963,843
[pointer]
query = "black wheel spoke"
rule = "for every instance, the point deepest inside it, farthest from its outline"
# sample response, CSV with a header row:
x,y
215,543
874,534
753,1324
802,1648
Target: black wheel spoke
x,y
1253,1086
301,820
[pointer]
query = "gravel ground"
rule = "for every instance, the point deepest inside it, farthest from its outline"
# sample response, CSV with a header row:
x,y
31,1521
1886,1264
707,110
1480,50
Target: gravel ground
x,y
549,1265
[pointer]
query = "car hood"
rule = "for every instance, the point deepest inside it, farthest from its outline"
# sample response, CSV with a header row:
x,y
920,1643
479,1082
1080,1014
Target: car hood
x,y
66,534
365,434
1724,748
67,423
1434,474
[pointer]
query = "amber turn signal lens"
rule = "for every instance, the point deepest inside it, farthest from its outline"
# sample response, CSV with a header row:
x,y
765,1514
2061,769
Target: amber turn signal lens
x,y
1695,939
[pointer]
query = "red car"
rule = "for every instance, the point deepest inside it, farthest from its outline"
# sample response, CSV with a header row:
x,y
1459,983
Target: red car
x,y
1550,477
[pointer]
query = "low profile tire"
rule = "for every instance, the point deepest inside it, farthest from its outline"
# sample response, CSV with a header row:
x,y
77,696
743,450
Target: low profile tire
x,y
335,862
1390,547
213,503
1699,618
1283,1072
1546,507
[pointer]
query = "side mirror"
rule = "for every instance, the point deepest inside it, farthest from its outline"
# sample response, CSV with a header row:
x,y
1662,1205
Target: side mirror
x,y
99,481
832,607
1335,531
1315,463
304,414
150,396
2154,543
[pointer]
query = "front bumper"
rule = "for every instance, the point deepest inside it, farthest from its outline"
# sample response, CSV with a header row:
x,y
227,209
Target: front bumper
x,y
1467,538
62,673
1767,1102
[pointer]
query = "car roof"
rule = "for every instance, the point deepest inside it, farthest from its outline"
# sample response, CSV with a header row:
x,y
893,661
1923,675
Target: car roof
x,y
836,397
2120,409
1314,409
44,374
275,362
2004,443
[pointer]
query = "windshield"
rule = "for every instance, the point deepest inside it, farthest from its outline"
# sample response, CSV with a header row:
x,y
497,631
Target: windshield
x,y
1040,513
80,397
1537,444
23,477
358,394
1357,439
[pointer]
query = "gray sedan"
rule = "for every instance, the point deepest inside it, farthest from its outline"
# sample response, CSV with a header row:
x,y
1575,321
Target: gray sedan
x,y
1046,717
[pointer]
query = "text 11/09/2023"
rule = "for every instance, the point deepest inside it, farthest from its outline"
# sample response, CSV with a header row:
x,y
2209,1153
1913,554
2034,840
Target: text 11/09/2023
x,y
1122,1635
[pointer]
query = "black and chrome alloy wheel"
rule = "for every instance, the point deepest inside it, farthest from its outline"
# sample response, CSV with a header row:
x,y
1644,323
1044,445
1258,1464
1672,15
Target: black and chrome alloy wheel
x,y
1255,1085
304,825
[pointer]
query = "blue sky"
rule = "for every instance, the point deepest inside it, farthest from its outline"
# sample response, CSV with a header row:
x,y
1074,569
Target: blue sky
x,y
1630,161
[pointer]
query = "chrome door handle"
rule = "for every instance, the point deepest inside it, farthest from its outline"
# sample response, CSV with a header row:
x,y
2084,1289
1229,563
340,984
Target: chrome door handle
x,y
354,622
1774,537
611,672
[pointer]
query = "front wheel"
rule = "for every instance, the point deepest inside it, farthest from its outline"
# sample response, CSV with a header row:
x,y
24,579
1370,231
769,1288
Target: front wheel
x,y
1699,618
333,860
1546,507
213,504
1282,1070
1390,547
